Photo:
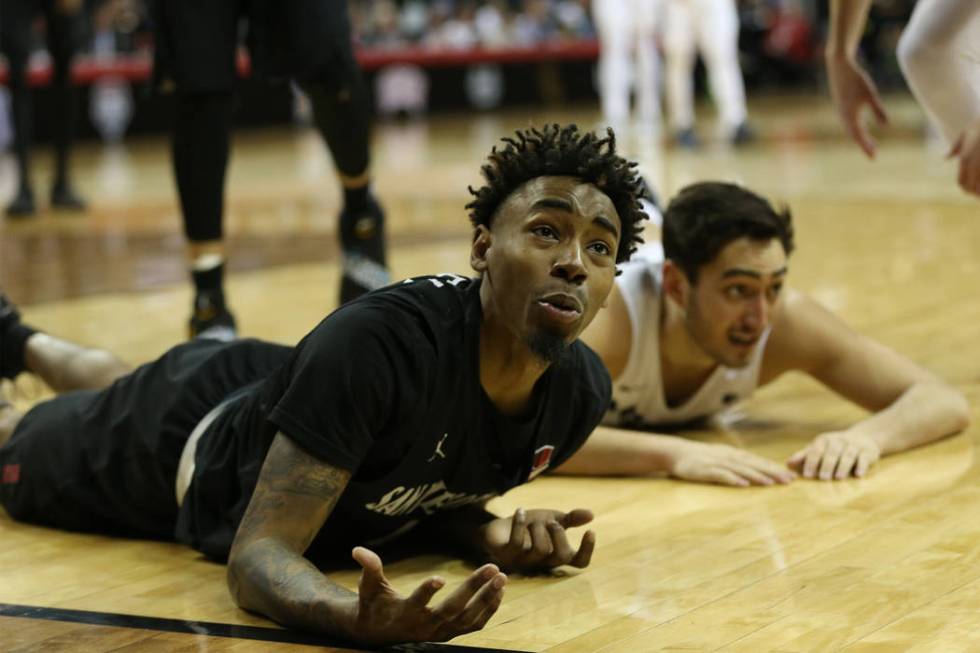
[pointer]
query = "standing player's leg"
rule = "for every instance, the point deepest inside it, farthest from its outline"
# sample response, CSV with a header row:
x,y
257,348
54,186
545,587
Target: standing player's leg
x,y
679,46
323,63
64,31
342,117
201,145
612,21
647,85
319,54
195,51
940,55
15,40
717,33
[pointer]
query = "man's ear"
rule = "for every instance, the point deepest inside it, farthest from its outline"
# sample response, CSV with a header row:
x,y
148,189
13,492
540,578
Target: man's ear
x,y
676,284
482,239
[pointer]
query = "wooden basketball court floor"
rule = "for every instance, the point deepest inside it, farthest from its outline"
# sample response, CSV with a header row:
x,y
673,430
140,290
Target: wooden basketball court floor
x,y
887,563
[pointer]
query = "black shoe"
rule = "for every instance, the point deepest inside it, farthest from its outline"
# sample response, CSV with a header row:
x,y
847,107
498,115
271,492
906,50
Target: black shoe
x,y
687,138
743,135
211,319
362,237
64,197
22,206
10,366
9,315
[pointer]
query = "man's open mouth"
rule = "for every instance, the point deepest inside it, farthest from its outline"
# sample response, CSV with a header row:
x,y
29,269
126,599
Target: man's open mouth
x,y
561,306
563,302
743,340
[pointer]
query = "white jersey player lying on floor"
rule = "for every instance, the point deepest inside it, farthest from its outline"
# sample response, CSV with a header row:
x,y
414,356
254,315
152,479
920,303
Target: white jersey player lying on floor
x,y
697,325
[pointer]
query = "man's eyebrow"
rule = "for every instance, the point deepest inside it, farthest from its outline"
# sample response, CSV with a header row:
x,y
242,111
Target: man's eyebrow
x,y
743,272
606,224
560,204
553,203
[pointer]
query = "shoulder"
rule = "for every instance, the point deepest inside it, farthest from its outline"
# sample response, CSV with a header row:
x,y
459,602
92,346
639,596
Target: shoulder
x,y
646,263
437,302
805,335
425,308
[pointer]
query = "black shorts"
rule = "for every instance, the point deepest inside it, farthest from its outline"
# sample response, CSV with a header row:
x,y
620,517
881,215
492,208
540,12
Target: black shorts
x,y
307,40
106,460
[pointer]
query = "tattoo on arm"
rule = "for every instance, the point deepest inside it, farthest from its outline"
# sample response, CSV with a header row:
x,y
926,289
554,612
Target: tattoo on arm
x,y
290,483
267,572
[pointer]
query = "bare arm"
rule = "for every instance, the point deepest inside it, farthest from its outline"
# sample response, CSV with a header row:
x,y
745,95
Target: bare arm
x,y
927,411
850,86
621,452
847,20
967,149
911,406
267,572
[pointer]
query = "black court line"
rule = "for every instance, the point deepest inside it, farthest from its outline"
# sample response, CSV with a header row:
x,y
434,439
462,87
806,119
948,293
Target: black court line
x,y
212,629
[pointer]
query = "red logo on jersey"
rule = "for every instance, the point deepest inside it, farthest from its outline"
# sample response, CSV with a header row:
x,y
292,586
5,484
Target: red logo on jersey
x,y
542,459
11,474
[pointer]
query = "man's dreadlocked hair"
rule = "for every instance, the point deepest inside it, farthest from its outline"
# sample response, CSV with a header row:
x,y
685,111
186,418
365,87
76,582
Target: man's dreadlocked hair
x,y
562,151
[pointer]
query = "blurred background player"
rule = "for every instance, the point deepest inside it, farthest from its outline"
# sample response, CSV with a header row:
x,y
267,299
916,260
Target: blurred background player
x,y
63,26
628,57
712,26
306,40
940,56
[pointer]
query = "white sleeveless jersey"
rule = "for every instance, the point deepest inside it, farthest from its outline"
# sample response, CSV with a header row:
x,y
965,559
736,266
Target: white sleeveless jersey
x,y
638,393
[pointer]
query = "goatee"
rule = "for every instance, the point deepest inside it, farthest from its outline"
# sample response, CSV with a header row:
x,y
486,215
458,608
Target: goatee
x,y
548,347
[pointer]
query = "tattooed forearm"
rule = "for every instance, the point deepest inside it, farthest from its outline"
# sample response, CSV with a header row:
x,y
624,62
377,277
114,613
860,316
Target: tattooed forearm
x,y
273,581
267,572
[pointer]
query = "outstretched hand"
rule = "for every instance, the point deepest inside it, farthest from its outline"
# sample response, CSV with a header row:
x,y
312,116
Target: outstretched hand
x,y
967,150
383,616
535,540
852,89
703,462
835,456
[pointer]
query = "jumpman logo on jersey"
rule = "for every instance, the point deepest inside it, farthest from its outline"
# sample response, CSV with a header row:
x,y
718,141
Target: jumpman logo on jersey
x,y
438,451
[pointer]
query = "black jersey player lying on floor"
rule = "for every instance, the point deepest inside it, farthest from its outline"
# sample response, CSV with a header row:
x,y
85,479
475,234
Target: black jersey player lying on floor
x,y
417,402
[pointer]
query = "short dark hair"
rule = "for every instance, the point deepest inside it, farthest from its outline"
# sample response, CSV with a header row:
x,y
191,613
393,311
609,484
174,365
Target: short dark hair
x,y
562,151
703,218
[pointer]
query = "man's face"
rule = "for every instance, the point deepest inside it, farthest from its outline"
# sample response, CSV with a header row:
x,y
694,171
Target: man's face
x,y
732,303
549,260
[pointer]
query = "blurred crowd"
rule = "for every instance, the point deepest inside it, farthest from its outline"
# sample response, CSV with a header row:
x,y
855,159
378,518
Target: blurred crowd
x,y
779,42
780,37
465,24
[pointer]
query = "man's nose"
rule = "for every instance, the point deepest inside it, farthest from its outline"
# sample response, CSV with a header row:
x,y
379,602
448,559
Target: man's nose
x,y
569,264
758,313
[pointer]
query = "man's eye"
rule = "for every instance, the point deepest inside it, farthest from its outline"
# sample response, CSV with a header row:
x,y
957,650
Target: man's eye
x,y
737,292
601,249
544,231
